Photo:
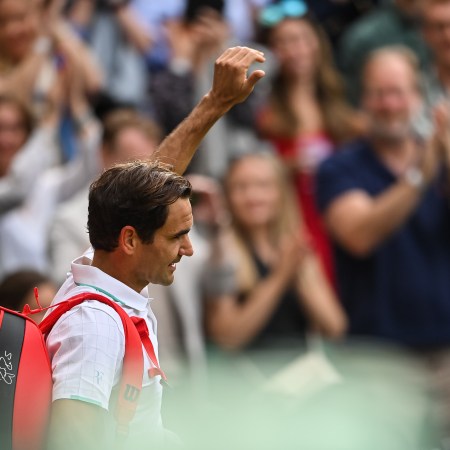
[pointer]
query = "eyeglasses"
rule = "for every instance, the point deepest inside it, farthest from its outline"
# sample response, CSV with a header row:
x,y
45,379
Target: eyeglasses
x,y
273,14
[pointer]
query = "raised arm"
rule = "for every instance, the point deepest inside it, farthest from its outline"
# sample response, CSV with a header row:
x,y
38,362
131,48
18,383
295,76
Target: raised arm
x,y
231,86
137,34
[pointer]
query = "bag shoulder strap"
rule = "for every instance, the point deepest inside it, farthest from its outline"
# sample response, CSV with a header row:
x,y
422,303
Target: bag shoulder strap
x,y
133,363
142,329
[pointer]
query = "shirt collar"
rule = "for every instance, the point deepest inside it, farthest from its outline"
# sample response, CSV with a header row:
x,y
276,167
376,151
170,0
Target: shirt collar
x,y
85,274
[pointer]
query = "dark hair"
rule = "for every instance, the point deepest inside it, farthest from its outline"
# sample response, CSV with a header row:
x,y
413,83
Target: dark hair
x,y
21,106
120,119
136,194
16,286
195,7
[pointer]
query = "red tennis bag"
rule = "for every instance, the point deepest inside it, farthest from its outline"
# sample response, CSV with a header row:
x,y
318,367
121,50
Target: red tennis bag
x,y
26,377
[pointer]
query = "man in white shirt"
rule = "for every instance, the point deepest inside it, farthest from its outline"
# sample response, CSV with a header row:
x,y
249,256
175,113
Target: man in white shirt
x,y
139,220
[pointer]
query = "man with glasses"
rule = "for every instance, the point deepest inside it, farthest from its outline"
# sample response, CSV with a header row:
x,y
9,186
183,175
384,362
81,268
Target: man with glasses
x,y
385,203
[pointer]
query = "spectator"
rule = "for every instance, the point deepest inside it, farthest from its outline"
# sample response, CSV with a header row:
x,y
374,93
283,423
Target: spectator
x,y
34,43
21,149
337,16
394,23
265,286
385,206
306,114
435,15
385,203
119,42
17,290
194,43
24,229
14,116
239,15
154,16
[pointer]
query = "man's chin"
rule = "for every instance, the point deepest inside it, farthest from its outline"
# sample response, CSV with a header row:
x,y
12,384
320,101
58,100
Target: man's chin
x,y
167,281
391,134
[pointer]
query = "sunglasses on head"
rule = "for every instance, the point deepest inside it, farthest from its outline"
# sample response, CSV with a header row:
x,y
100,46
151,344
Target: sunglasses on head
x,y
273,14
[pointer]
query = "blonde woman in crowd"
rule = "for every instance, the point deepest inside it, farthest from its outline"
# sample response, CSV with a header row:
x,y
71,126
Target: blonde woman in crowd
x,y
265,285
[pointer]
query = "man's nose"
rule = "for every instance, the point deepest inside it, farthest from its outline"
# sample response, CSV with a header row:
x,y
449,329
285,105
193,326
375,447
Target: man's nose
x,y
186,248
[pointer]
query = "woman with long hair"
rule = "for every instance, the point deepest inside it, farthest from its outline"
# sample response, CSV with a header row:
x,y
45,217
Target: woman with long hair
x,y
306,115
265,285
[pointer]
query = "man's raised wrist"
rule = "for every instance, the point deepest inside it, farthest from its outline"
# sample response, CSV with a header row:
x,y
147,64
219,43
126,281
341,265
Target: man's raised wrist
x,y
220,107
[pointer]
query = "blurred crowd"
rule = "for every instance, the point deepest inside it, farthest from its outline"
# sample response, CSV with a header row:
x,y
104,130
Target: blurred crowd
x,y
321,204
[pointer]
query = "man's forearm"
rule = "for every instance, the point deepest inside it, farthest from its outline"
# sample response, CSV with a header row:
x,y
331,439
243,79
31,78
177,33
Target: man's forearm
x,y
361,225
136,33
179,147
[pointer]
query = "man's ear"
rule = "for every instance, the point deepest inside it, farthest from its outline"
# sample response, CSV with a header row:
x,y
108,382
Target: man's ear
x,y
128,239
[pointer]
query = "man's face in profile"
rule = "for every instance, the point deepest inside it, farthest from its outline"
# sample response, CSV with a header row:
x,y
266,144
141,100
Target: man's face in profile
x,y
156,261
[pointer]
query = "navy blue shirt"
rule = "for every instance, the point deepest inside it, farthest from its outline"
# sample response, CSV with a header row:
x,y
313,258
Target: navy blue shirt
x,y
401,291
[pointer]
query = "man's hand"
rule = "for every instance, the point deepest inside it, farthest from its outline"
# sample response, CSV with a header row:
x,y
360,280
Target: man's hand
x,y
231,84
291,252
436,150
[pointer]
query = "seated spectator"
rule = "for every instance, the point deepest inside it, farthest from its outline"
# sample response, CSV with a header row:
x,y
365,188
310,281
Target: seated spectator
x,y
306,114
17,290
396,22
265,286
385,203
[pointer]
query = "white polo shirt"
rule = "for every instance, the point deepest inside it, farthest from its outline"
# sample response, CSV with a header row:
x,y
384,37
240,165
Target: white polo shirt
x,y
86,348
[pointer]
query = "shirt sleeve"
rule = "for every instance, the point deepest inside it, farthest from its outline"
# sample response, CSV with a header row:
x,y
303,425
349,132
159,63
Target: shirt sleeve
x,y
334,178
86,348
